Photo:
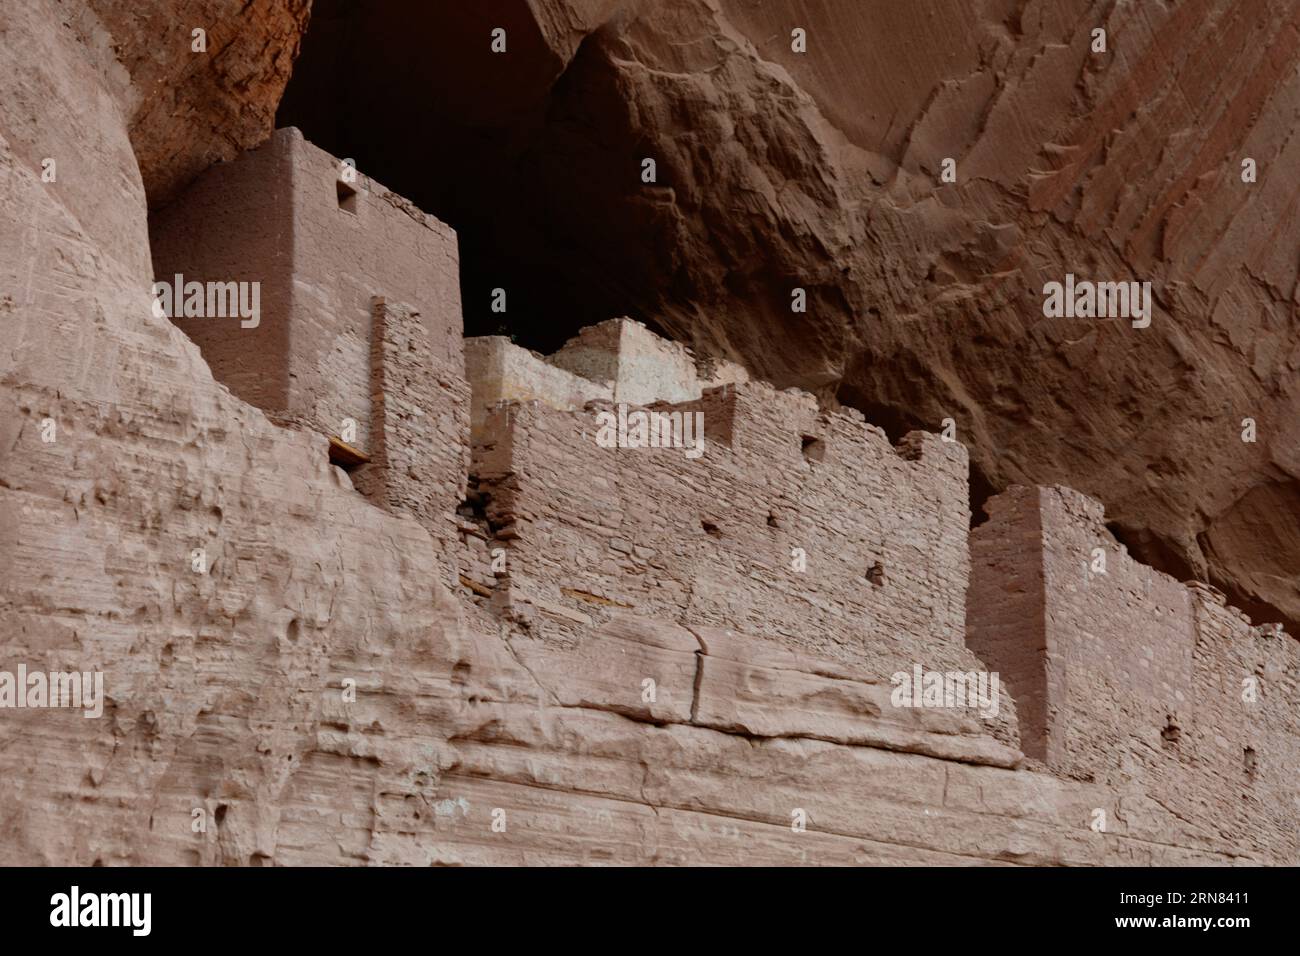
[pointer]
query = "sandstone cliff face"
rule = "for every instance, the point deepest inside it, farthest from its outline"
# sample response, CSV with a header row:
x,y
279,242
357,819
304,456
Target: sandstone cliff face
x,y
188,108
226,689
821,170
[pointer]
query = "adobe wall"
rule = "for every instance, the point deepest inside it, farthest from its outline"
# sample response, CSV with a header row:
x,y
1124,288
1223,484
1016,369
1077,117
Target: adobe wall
x,y
639,366
501,371
617,360
1128,674
591,529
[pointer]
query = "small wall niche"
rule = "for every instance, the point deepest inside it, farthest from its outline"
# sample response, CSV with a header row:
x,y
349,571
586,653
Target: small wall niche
x,y
348,197
814,449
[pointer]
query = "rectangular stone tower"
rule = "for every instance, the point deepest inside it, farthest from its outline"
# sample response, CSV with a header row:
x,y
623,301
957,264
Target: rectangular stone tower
x,y
323,241
359,335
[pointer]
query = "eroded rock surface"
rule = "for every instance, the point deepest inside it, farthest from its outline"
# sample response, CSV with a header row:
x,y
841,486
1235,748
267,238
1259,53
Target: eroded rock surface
x,y
197,100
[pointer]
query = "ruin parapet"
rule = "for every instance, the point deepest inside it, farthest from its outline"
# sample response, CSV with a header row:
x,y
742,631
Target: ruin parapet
x,y
807,526
639,366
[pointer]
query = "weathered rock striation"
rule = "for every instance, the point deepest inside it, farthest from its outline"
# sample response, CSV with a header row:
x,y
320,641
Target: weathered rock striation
x,y
316,661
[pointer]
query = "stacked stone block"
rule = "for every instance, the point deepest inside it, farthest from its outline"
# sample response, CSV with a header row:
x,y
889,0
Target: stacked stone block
x,y
419,433
806,526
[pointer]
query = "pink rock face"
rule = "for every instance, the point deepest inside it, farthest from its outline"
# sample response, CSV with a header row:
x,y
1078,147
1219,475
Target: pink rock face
x,y
536,648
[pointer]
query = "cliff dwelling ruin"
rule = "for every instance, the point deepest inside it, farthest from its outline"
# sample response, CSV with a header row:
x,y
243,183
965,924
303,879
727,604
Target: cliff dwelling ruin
x,y
802,528
529,522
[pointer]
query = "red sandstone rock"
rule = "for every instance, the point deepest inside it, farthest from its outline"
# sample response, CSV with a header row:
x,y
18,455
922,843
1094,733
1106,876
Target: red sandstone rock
x,y
187,109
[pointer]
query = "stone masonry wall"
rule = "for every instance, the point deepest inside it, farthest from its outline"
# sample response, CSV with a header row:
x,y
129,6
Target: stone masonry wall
x,y
1119,648
880,533
223,688
1241,741
235,224
1006,596
322,249
1141,677
1111,652
420,430
348,250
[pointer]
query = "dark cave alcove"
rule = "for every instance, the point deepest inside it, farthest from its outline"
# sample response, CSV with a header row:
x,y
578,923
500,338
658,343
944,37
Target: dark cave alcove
x,y
518,154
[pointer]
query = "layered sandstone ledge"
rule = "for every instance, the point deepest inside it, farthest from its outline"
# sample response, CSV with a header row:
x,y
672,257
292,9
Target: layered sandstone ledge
x,y
335,687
